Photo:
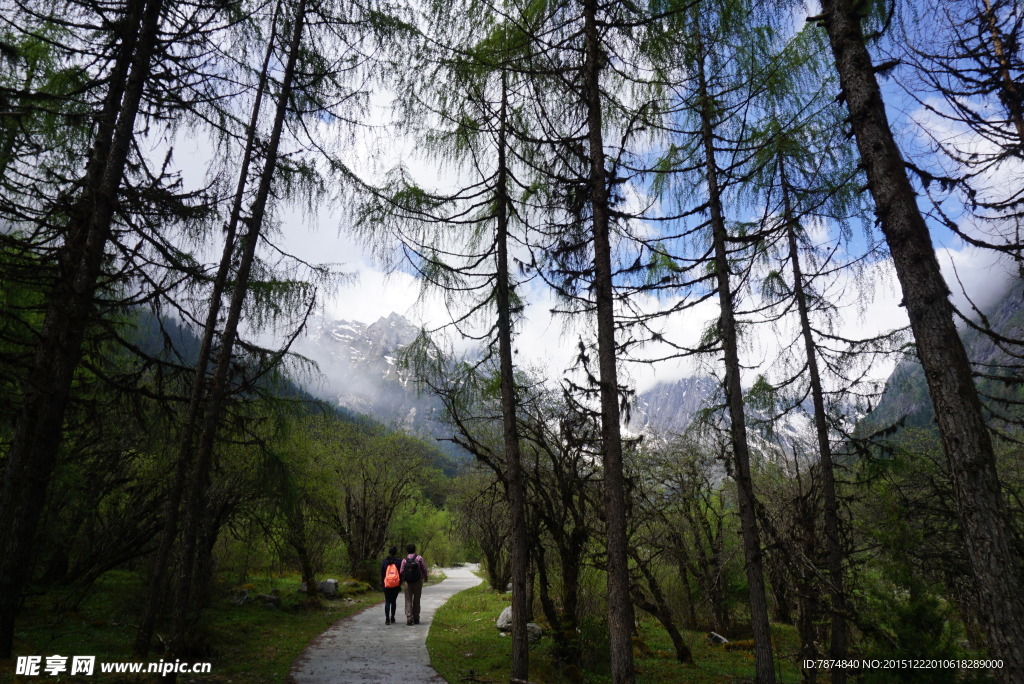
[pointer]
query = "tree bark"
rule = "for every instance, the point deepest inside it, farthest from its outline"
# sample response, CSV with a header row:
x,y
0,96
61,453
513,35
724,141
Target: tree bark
x,y
830,512
190,424
763,659
32,456
520,666
1012,93
296,522
989,539
620,608
195,499
658,608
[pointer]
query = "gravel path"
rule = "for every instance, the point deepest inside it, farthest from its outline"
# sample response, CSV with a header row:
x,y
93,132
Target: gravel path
x,y
361,648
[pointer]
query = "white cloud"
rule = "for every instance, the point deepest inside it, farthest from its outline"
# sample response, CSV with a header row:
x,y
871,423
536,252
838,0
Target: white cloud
x,y
319,235
975,274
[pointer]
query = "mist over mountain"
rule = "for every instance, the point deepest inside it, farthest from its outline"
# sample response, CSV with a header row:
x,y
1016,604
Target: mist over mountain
x,y
359,363
906,395
362,375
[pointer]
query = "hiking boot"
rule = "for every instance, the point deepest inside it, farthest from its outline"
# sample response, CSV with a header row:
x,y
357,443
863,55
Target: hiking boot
x,y
409,622
387,620
415,621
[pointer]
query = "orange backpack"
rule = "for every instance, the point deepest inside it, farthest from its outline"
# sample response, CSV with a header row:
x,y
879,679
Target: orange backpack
x,y
391,577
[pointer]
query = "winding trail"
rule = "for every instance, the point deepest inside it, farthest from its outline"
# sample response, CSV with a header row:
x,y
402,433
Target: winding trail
x,y
361,648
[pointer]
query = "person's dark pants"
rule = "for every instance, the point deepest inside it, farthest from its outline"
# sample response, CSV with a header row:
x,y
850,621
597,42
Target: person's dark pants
x,y
413,591
391,602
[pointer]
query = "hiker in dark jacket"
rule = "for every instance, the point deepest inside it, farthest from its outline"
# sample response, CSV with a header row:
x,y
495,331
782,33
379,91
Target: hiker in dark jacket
x,y
414,574
391,593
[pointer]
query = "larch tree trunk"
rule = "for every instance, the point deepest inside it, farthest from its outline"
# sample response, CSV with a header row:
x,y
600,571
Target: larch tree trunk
x,y
520,666
32,456
620,608
1012,92
763,659
195,496
296,521
193,413
659,609
830,512
988,536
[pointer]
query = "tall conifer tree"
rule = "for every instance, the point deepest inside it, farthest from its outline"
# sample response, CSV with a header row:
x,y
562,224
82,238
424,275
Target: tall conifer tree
x,y
37,435
988,534
461,243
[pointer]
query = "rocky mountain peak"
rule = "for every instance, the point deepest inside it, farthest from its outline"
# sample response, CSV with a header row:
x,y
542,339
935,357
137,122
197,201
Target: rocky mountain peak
x,y
389,334
360,363
670,406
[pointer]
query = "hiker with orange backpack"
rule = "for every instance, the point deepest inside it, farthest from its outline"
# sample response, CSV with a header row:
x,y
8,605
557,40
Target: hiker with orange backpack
x,y
391,581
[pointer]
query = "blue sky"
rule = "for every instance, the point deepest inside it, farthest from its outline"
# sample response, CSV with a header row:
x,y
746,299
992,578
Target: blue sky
x,y
319,235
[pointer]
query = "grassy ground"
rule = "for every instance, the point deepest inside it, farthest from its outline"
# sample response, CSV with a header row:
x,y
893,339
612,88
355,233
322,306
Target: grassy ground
x,y
465,646
245,643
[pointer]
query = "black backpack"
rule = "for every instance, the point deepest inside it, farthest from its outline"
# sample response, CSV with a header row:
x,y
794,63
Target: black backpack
x,y
412,570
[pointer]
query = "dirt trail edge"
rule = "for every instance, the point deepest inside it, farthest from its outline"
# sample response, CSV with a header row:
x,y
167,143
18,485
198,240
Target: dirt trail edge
x,y
361,648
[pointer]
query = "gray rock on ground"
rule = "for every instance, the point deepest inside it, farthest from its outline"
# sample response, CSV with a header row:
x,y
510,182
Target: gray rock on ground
x,y
328,587
268,600
504,623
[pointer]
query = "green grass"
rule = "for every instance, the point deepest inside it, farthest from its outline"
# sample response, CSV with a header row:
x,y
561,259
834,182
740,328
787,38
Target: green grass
x,y
247,643
257,644
464,645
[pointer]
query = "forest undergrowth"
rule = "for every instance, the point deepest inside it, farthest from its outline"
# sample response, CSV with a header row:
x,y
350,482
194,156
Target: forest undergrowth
x,y
465,646
245,643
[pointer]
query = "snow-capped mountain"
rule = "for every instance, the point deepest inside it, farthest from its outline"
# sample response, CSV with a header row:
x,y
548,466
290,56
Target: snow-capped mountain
x,y
360,364
667,409
670,407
